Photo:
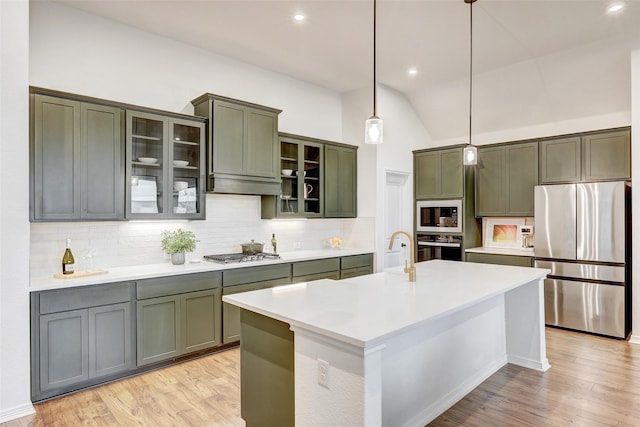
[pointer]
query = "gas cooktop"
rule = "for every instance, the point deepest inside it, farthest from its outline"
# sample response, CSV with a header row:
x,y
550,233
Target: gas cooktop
x,y
239,257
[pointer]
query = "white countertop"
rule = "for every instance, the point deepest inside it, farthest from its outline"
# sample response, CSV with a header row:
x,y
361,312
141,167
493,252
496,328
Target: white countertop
x,y
503,251
365,310
138,272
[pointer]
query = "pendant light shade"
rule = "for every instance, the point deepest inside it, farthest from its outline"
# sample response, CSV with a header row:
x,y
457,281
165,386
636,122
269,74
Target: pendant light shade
x,y
470,151
373,126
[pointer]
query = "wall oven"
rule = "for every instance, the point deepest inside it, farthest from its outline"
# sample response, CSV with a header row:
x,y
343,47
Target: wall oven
x,y
436,246
439,216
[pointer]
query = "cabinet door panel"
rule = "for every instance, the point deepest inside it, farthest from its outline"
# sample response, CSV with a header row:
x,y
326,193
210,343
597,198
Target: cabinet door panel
x,y
331,181
158,329
64,349
427,178
490,184
560,160
451,173
56,158
102,172
228,147
522,177
607,156
200,320
348,184
110,348
261,149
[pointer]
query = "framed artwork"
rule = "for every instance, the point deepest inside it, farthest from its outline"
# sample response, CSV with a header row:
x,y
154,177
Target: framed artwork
x,y
503,233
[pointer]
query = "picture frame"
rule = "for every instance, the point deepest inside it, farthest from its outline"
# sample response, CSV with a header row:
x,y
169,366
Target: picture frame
x,y
503,233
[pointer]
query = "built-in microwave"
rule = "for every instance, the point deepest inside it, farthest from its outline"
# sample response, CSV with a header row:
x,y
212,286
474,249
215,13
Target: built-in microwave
x,y
439,216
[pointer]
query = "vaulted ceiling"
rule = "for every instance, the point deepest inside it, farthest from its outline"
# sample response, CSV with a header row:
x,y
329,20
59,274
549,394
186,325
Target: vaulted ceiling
x,y
535,61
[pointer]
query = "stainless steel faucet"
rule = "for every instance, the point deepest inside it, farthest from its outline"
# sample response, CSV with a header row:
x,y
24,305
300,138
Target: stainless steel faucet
x,y
411,269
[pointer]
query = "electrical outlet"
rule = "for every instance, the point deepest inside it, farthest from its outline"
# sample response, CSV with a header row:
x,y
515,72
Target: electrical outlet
x,y
323,373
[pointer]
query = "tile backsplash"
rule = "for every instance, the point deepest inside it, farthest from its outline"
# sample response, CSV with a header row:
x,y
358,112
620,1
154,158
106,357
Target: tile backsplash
x,y
231,220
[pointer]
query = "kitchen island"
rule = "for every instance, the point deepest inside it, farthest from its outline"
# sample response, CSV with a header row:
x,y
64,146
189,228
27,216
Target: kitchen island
x,y
380,350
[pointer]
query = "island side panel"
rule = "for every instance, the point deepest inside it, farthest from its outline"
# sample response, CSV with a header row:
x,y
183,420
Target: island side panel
x,y
428,369
266,371
524,311
351,393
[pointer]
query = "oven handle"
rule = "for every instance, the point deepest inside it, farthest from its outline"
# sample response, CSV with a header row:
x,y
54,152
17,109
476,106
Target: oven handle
x,y
442,244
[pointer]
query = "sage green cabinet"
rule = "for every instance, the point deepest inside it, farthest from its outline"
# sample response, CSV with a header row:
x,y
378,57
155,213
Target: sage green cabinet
x,y
505,179
340,182
306,271
79,337
594,156
606,156
560,160
301,192
76,160
165,170
439,174
244,280
485,258
177,315
356,265
243,146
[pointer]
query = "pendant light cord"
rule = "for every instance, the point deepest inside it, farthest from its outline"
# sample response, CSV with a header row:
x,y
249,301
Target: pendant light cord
x,y
470,64
375,103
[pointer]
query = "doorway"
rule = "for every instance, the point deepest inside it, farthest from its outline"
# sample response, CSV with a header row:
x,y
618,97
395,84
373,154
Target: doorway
x,y
397,216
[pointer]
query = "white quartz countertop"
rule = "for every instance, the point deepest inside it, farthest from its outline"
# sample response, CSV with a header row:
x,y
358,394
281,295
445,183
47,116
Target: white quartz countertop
x,y
502,251
138,272
364,311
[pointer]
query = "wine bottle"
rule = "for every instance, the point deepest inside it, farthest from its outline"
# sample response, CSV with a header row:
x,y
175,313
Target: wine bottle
x,y
273,243
68,262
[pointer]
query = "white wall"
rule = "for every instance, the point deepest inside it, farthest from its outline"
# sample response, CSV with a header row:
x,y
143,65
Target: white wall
x,y
14,210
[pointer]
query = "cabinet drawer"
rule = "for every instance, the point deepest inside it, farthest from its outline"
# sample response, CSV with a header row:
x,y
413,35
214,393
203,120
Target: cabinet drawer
x,y
518,261
173,285
255,274
305,268
84,297
355,272
335,275
357,261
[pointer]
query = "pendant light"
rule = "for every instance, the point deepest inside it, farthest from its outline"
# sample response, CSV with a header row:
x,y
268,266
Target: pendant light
x,y
470,153
373,126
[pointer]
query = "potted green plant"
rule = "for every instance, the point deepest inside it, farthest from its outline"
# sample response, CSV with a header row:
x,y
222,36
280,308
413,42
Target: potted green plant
x,y
177,242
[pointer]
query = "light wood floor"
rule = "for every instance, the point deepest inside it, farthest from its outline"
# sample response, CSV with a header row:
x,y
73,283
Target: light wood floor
x,y
593,381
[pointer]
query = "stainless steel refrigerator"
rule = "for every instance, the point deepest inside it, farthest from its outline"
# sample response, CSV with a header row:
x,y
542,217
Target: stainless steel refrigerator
x,y
582,235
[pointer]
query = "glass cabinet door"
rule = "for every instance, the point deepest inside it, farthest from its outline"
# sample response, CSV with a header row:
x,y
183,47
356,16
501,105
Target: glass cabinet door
x,y
301,179
146,169
187,172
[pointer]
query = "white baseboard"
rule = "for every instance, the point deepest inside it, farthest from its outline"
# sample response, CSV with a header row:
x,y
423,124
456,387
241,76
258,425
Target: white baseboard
x,y
16,412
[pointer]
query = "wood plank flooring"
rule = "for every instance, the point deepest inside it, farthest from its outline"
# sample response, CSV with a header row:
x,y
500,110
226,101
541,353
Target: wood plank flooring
x,y
593,381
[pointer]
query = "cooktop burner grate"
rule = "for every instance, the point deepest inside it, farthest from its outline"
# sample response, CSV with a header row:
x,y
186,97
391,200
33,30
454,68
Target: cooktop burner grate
x,y
236,257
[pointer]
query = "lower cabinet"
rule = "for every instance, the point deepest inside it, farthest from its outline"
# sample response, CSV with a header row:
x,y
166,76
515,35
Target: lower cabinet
x,y
80,337
515,260
356,265
306,271
244,280
177,315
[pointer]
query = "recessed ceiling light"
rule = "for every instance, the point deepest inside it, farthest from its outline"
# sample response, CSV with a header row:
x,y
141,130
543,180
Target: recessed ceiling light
x,y
298,17
412,71
616,7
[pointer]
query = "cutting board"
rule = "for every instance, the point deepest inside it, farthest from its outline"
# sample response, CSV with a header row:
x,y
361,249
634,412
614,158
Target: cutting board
x,y
78,274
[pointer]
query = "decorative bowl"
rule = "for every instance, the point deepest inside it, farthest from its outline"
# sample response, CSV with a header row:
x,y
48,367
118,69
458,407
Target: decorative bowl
x,y
180,185
148,160
287,172
180,163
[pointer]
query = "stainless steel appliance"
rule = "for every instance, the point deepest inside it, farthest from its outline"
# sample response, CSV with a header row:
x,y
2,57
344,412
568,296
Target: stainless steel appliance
x,y
439,216
435,246
582,237
236,257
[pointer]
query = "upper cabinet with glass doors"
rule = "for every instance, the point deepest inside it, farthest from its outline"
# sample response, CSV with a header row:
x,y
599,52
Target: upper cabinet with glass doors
x,y
302,180
165,171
